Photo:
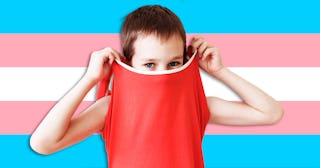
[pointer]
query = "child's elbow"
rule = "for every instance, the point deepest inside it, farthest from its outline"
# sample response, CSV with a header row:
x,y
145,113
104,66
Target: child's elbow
x,y
39,146
275,115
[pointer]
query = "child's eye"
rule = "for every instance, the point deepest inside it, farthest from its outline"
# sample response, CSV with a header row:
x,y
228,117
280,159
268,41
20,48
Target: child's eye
x,y
149,65
172,64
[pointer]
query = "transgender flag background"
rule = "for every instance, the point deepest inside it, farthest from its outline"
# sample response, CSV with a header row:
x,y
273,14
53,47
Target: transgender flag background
x,y
45,47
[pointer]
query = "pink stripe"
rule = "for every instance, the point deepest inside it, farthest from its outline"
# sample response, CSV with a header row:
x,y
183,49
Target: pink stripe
x,y
300,118
236,49
43,50
23,117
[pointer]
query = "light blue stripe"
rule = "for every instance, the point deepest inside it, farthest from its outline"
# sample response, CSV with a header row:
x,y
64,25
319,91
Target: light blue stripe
x,y
262,151
16,152
219,151
200,16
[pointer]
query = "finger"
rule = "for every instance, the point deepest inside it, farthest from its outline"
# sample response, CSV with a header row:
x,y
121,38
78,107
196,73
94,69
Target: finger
x,y
216,51
105,57
116,55
197,37
101,54
110,54
208,52
202,48
196,43
111,59
107,49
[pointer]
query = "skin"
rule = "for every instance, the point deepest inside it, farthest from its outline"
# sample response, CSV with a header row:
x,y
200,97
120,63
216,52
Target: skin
x,y
59,129
169,53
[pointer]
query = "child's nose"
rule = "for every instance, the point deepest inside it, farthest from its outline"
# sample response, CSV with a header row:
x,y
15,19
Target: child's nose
x,y
162,68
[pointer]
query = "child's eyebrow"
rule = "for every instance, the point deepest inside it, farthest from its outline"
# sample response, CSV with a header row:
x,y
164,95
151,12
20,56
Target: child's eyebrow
x,y
154,59
177,57
149,59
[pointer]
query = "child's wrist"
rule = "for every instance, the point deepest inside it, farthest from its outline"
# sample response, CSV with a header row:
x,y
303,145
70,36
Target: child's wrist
x,y
219,71
90,79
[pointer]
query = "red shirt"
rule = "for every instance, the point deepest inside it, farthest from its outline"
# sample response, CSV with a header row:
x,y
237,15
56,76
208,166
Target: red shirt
x,y
155,120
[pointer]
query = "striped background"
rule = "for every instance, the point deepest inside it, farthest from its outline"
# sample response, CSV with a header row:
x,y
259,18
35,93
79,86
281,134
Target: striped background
x,y
45,46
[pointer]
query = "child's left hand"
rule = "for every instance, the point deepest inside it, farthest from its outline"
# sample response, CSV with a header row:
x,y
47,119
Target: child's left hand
x,y
209,56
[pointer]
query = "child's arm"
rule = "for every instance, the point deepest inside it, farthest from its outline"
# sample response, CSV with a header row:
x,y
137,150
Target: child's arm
x,y
257,107
58,129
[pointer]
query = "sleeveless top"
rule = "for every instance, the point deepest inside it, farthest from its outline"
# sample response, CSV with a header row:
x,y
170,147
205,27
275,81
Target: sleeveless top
x,y
156,119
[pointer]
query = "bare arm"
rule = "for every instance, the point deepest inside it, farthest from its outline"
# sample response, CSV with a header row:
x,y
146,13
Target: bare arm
x,y
58,129
257,107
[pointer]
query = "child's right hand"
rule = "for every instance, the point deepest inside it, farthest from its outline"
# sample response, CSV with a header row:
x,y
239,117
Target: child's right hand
x,y
100,63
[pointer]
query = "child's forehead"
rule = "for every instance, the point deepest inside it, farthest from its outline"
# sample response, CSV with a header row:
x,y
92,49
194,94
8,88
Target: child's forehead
x,y
152,46
161,53
162,38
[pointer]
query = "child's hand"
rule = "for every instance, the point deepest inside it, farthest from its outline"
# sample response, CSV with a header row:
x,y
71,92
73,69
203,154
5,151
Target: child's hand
x,y
100,63
209,56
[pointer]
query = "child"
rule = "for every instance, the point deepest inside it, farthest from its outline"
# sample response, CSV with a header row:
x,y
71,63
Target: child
x,y
152,39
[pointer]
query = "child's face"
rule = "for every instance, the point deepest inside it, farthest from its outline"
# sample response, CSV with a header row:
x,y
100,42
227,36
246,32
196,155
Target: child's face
x,y
152,54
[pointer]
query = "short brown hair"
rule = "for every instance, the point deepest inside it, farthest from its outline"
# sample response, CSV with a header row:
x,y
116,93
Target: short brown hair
x,y
146,20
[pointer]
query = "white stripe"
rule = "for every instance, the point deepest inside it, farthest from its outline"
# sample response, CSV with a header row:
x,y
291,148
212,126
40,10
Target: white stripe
x,y
40,83
51,83
282,83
